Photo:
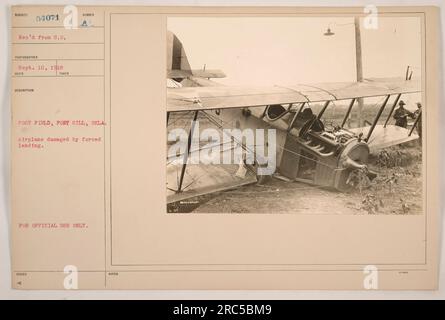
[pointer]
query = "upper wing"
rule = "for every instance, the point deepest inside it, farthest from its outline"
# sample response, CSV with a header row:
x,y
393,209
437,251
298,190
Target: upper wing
x,y
219,97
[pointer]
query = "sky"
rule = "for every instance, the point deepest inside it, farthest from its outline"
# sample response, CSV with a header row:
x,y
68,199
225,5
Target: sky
x,y
291,50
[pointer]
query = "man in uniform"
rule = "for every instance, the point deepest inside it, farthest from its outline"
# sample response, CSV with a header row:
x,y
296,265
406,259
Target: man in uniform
x,y
401,115
418,114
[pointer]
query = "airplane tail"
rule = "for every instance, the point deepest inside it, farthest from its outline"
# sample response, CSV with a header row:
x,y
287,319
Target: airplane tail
x,y
176,56
178,66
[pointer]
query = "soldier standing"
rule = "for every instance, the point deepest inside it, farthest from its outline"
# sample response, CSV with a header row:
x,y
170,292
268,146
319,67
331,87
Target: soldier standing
x,y
401,115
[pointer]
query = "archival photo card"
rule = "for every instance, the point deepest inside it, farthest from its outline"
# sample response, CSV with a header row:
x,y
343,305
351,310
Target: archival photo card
x,y
225,148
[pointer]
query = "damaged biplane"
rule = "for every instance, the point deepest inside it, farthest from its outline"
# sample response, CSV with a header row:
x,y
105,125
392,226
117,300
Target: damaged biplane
x,y
307,150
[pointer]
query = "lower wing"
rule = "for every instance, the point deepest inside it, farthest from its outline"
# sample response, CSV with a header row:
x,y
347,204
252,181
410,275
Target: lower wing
x,y
191,177
384,137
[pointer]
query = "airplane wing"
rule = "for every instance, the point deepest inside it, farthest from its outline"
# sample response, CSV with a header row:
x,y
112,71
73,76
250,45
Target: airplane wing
x,y
221,97
384,137
204,179
200,179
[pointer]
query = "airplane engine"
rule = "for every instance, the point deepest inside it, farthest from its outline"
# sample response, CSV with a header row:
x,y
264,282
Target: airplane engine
x,y
325,158
354,155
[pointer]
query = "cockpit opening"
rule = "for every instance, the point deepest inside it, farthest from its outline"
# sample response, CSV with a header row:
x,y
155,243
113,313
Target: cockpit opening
x,y
275,111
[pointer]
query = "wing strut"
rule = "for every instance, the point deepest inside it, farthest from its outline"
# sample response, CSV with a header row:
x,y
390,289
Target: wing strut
x,y
376,119
415,123
295,116
323,109
392,109
351,104
187,151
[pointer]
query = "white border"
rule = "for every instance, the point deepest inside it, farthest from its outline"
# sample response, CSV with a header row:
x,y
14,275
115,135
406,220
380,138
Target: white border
x,y
5,115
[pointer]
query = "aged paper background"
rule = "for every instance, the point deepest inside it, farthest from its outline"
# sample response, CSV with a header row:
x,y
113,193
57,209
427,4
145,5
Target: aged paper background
x,y
123,248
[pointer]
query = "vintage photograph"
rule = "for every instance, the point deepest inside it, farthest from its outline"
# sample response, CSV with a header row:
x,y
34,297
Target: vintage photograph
x,y
302,149
294,115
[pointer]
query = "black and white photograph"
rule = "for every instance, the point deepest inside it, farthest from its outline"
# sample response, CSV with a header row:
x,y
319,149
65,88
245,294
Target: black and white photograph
x,y
295,115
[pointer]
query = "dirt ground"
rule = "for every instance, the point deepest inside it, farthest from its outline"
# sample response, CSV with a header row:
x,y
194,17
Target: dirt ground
x,y
397,189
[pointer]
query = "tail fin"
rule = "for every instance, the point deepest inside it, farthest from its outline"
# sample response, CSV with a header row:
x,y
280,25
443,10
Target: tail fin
x,y
176,56
178,66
